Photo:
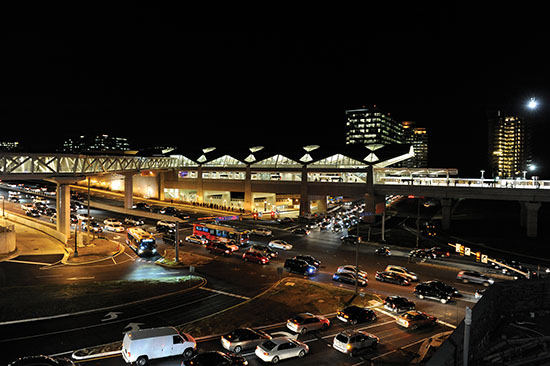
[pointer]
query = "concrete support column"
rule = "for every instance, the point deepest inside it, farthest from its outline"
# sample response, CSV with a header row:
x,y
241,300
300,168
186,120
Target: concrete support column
x,y
446,212
200,190
161,179
321,203
304,196
248,190
63,207
128,190
531,220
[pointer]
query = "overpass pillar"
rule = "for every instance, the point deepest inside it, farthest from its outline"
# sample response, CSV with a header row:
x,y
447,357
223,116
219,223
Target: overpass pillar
x,y
63,208
530,218
248,190
128,190
200,190
446,212
304,197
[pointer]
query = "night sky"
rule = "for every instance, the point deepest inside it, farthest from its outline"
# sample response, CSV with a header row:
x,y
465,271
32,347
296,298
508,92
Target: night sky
x,y
138,73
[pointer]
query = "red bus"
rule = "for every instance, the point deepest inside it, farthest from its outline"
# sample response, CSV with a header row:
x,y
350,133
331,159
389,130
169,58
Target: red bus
x,y
221,233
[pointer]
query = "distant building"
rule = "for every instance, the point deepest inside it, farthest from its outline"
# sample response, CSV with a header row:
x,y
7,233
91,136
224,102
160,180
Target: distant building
x,y
418,138
372,126
96,144
9,146
509,147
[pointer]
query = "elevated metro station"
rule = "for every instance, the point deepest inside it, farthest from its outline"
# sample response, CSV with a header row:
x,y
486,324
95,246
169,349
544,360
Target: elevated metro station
x,y
264,179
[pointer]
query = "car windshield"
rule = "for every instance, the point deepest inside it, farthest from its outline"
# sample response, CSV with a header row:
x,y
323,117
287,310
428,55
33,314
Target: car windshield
x,y
268,345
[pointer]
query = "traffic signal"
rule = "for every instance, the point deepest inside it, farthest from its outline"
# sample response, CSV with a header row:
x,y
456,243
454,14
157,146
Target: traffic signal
x,y
478,256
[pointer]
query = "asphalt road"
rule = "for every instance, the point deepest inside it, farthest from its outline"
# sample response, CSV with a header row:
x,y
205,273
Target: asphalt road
x,y
236,279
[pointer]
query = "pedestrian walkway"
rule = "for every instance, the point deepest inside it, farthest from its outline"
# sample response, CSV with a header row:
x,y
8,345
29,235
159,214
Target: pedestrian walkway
x,y
32,242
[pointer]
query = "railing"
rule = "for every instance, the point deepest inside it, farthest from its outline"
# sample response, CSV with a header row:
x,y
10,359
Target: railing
x,y
465,182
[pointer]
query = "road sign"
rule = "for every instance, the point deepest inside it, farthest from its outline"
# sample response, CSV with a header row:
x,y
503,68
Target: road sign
x,y
467,251
458,248
484,258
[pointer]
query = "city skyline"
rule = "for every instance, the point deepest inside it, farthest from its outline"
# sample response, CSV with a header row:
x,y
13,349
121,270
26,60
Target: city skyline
x,y
143,78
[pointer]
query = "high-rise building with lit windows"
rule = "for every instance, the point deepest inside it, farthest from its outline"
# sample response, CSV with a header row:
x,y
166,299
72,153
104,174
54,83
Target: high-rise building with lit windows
x,y
418,138
372,126
509,149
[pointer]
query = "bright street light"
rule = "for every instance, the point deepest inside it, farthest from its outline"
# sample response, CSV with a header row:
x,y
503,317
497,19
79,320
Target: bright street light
x,y
533,103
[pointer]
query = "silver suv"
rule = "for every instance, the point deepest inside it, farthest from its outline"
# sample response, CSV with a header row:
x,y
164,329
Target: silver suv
x,y
474,277
353,342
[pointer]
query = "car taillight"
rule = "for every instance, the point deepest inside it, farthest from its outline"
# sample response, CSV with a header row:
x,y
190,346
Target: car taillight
x,y
129,354
407,323
266,353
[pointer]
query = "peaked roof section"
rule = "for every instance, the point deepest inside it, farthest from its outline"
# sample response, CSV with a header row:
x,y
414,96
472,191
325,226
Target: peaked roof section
x,y
314,156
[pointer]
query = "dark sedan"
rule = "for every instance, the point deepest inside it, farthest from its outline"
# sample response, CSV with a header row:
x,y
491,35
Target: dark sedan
x,y
347,277
391,277
214,358
398,304
355,314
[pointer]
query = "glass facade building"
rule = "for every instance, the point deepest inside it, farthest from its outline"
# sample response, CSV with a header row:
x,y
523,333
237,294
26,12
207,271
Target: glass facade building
x,y
508,146
417,137
372,126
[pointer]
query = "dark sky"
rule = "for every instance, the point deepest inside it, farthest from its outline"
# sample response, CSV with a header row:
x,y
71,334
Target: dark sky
x,y
137,72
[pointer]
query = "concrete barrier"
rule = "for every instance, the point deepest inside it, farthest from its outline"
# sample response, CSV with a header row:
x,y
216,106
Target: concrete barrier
x,y
7,239
44,227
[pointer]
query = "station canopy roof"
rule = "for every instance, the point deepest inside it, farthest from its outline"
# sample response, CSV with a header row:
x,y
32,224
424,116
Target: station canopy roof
x,y
314,156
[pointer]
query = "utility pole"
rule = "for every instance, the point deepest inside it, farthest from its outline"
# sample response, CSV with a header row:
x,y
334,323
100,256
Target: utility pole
x,y
177,240
418,223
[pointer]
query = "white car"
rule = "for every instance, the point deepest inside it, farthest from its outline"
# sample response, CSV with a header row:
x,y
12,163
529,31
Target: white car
x,y
115,227
262,232
348,268
111,221
277,349
411,276
279,244
27,206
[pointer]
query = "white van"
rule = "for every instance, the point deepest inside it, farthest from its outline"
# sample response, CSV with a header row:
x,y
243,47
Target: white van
x,y
146,344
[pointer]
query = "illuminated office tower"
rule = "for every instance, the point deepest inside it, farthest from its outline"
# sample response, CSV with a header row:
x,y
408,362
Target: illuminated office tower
x,y
372,126
418,138
509,150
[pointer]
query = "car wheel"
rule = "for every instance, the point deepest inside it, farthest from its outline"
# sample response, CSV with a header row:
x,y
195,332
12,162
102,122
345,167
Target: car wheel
x,y
486,284
237,349
465,281
302,353
325,326
414,327
303,331
188,353
141,361
275,359
353,321
374,345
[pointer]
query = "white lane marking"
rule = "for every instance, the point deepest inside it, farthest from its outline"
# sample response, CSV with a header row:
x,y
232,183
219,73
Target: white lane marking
x,y
225,293
80,278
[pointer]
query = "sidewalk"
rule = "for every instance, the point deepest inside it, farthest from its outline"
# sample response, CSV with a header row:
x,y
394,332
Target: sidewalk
x,y
33,242
30,241
98,250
